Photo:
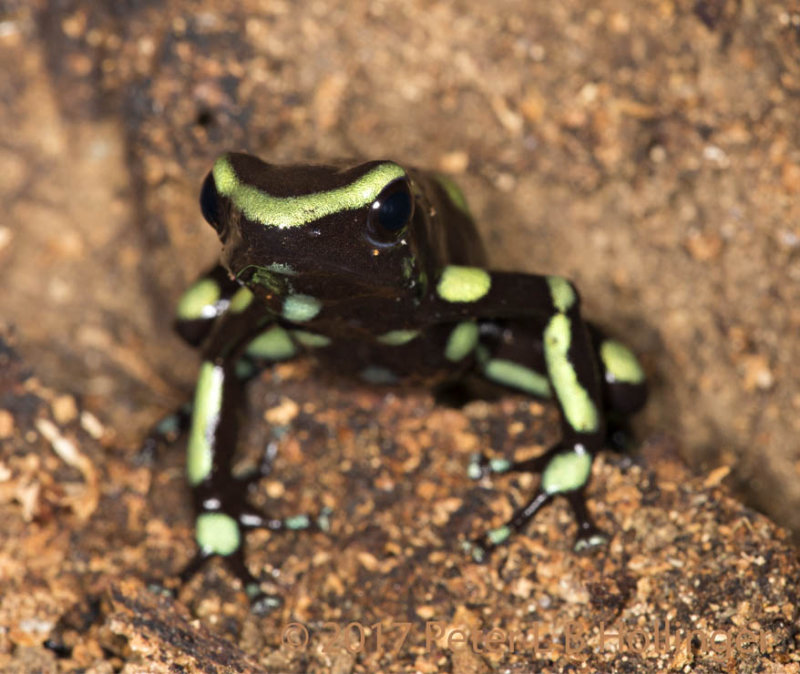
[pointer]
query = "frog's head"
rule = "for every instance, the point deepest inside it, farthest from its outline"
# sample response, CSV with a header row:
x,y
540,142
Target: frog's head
x,y
340,230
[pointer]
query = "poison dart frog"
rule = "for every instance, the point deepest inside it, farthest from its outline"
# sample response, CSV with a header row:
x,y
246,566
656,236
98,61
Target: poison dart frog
x,y
377,271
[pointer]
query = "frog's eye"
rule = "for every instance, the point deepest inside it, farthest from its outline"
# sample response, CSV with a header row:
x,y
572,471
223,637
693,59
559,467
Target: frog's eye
x,y
390,213
209,203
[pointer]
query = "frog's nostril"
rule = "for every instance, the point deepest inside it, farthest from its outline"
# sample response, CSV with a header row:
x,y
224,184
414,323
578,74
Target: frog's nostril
x,y
209,203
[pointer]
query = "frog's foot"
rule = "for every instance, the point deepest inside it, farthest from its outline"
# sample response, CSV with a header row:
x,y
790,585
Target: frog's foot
x,y
589,534
260,601
619,436
486,544
165,432
220,531
565,471
481,466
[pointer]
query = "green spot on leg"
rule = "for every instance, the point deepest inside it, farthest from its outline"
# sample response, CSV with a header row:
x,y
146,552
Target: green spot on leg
x,y
463,284
566,472
311,339
199,300
241,300
324,519
283,212
207,405
273,344
474,471
462,341
300,308
593,541
168,425
562,293
499,535
517,376
398,337
579,410
620,364
297,522
499,465
217,533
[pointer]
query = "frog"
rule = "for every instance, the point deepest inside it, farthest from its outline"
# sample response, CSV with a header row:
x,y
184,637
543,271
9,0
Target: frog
x,y
376,271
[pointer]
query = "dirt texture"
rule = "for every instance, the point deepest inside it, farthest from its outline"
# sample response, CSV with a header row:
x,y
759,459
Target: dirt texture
x,y
690,577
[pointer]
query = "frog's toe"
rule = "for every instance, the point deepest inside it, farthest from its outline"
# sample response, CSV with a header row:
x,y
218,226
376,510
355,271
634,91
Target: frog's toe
x,y
477,550
591,538
164,432
263,603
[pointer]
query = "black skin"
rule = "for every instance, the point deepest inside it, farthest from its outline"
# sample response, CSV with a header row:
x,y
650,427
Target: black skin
x,y
372,275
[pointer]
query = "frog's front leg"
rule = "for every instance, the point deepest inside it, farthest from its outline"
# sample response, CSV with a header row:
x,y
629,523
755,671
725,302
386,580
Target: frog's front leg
x,y
199,309
563,344
222,507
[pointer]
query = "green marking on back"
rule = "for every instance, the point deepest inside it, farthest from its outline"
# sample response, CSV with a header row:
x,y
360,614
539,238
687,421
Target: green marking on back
x,y
620,363
311,339
454,193
463,284
207,403
300,308
217,534
241,300
579,410
198,301
374,374
462,341
562,293
566,472
272,344
398,337
517,376
283,212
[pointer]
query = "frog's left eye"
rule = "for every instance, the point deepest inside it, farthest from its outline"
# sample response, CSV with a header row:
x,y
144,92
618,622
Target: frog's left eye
x,y
209,203
390,213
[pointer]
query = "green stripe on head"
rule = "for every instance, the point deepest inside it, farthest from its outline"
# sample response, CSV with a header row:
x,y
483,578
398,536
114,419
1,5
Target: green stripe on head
x,y
284,212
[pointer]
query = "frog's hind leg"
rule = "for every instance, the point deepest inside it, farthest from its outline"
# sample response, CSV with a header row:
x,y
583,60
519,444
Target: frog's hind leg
x,y
511,354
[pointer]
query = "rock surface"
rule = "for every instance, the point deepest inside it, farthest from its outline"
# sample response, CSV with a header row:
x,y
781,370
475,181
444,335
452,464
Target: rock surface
x,y
690,578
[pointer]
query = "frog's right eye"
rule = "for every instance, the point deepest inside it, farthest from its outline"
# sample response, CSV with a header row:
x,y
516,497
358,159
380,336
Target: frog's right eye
x,y
209,203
